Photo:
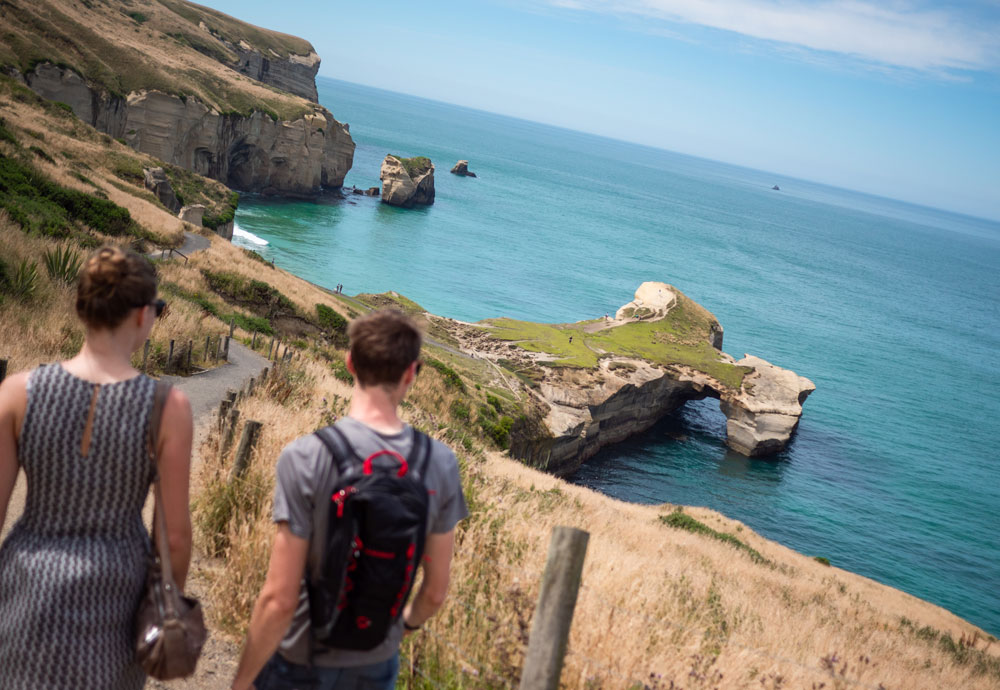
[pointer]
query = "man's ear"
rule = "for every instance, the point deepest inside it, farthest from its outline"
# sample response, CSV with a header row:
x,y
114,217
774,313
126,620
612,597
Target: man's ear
x,y
350,364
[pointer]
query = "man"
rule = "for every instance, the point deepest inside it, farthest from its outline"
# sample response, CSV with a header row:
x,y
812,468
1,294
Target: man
x,y
384,360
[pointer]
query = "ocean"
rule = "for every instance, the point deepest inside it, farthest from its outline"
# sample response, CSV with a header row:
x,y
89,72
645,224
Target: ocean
x,y
892,309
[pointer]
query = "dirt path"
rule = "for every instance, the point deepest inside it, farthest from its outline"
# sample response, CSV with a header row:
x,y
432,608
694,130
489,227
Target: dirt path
x,y
205,391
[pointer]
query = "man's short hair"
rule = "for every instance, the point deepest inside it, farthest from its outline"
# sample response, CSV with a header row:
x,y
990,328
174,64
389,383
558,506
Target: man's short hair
x,y
383,344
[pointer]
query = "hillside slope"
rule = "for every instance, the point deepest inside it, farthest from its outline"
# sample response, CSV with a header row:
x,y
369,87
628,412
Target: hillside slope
x,y
186,84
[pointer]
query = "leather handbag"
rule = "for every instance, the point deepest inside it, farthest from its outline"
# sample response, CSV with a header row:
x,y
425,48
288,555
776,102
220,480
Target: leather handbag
x,y
170,627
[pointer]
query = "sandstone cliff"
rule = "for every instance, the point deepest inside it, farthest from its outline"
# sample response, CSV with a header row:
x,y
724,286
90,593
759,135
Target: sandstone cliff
x,y
407,181
598,382
173,89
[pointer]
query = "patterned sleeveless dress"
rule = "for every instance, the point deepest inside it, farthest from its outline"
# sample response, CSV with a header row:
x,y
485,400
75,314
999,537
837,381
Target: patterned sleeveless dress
x,y
73,568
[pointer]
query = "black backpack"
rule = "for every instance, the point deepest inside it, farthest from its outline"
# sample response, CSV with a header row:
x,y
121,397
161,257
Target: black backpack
x,y
375,537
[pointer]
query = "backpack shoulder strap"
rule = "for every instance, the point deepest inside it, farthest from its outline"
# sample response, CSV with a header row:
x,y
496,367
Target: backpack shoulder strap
x,y
340,448
420,454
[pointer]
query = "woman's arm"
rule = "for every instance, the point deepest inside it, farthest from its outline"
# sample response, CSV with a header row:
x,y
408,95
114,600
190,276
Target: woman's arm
x,y
13,402
176,433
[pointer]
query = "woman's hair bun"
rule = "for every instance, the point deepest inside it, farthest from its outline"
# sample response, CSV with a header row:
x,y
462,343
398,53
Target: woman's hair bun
x,y
107,269
113,282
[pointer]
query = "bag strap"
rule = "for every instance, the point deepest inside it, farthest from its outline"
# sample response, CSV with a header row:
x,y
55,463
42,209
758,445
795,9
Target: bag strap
x,y
336,441
160,521
420,454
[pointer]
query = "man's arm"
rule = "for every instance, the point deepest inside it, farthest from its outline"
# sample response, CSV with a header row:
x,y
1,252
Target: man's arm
x,y
437,572
275,607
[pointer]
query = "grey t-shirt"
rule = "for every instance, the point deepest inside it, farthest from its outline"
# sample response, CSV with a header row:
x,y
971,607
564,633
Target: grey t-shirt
x,y
305,471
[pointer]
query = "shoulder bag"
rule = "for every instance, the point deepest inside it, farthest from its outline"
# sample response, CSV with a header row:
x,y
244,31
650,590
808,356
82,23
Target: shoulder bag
x,y
170,627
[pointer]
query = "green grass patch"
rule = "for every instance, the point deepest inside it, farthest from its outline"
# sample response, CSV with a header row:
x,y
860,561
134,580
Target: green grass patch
x,y
450,376
682,337
6,134
256,257
253,294
681,520
42,153
249,324
226,213
415,166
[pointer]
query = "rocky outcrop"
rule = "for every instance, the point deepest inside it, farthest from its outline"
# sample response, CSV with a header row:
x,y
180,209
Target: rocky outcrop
x,y
762,415
250,153
194,214
574,411
294,74
158,183
462,168
407,181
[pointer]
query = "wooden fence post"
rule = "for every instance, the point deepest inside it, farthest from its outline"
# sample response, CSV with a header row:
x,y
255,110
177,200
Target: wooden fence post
x,y
232,327
145,354
248,441
3,369
224,406
554,614
170,357
208,344
190,353
232,420
270,347
253,342
227,348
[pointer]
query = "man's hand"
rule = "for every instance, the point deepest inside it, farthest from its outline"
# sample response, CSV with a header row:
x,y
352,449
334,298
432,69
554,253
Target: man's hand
x,y
275,607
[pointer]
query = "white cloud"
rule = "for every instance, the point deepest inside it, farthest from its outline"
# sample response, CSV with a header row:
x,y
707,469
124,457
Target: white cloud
x,y
897,34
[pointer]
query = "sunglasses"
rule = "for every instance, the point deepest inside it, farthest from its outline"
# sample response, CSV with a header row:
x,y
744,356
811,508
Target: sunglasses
x,y
160,306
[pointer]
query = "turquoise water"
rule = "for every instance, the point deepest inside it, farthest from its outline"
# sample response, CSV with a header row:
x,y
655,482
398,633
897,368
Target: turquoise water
x,y
893,310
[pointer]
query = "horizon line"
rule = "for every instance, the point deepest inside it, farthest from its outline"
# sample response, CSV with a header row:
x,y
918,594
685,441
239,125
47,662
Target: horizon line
x,y
966,214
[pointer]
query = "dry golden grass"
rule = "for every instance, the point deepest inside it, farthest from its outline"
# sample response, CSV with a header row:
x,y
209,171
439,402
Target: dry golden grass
x,y
657,605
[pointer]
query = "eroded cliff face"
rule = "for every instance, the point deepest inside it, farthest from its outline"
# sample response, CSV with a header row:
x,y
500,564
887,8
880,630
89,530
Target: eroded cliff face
x,y
250,153
294,74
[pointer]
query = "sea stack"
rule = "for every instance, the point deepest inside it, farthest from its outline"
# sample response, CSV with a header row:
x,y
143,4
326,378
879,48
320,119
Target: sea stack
x,y
407,182
462,168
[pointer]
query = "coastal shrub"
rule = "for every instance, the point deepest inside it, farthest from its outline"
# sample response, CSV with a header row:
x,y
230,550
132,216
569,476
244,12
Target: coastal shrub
x,y
333,324
459,411
451,377
62,264
255,294
822,559
495,402
65,107
497,431
250,324
138,17
225,216
39,205
681,520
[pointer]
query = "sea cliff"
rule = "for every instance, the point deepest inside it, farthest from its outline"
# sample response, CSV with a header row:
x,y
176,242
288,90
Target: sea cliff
x,y
182,96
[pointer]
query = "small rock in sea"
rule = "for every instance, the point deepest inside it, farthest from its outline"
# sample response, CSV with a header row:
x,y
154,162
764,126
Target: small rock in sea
x,y
776,188
357,191
462,168
372,191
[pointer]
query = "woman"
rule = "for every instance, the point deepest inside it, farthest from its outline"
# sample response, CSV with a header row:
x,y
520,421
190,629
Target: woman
x,y
72,569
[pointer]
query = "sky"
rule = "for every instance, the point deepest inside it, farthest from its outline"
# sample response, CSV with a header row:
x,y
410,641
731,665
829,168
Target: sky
x,y
892,97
